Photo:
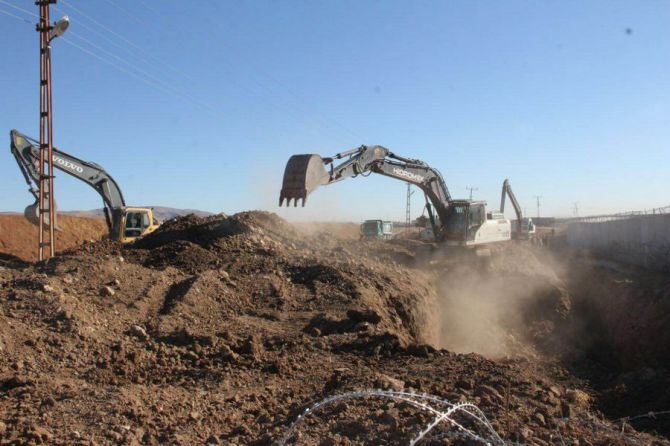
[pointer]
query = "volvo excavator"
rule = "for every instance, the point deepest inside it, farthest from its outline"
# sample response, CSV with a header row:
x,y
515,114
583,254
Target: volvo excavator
x,y
125,224
454,222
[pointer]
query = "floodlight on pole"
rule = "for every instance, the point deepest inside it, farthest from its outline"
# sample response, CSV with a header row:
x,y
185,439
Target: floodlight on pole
x,y
59,28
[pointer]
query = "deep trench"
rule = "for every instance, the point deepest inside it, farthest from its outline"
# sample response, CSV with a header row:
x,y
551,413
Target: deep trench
x,y
606,324
618,341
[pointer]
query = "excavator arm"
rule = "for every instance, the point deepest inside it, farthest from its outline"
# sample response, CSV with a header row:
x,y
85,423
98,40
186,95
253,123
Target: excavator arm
x,y
507,191
26,152
525,229
305,173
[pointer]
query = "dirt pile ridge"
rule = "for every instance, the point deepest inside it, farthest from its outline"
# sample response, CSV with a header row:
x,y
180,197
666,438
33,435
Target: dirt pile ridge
x,y
222,330
18,237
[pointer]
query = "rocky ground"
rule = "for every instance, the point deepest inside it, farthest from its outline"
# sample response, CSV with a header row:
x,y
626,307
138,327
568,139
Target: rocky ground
x,y
224,330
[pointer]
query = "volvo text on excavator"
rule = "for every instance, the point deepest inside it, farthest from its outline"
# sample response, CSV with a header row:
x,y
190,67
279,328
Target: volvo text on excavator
x,y
125,224
455,222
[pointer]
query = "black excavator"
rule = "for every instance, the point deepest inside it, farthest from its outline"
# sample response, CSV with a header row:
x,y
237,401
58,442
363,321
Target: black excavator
x,y
125,224
454,221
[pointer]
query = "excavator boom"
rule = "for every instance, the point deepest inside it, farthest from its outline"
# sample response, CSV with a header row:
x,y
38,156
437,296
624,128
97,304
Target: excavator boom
x,y
305,173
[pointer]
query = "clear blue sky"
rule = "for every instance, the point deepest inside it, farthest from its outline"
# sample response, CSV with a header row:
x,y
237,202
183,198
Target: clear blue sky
x,y
195,104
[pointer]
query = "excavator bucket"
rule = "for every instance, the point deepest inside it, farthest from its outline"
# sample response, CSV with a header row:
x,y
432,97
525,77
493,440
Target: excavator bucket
x,y
32,214
303,174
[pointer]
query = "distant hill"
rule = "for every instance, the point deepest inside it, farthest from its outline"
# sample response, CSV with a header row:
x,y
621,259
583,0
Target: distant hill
x,y
160,212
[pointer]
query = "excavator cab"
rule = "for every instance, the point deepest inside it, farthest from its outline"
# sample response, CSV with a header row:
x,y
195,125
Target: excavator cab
x,y
136,222
468,223
464,218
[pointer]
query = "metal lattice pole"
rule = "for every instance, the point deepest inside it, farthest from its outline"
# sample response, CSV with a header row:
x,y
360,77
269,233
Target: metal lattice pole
x,y
47,214
408,214
537,198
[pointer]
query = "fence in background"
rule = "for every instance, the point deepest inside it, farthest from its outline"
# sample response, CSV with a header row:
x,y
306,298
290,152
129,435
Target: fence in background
x,y
639,238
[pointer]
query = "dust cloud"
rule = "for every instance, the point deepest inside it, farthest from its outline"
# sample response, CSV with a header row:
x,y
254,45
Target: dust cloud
x,y
494,307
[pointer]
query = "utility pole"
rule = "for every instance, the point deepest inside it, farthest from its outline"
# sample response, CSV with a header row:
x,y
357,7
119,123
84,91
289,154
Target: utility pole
x,y
537,198
470,188
46,202
408,214
575,208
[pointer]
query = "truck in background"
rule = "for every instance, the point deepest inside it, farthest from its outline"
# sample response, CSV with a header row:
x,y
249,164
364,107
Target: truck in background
x,y
376,229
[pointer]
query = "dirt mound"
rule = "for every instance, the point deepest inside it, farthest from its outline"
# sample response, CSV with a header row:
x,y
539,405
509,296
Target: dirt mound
x,y
222,330
18,237
208,231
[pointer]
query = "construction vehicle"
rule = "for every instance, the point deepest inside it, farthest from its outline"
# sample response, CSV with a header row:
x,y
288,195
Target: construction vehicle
x,y
125,224
376,229
455,222
524,228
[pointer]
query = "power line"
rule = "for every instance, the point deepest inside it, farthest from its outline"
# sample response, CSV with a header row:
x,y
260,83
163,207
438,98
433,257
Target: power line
x,y
150,79
305,110
296,105
127,13
154,84
131,48
156,80
135,48
15,16
19,9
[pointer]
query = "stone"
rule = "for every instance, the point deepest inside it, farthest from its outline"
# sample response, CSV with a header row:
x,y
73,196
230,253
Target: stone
x,y
387,382
578,397
555,390
107,291
139,332
40,435
490,391
368,315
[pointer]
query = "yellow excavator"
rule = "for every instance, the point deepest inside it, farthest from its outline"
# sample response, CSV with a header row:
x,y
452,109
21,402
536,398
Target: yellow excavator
x,y
454,222
125,224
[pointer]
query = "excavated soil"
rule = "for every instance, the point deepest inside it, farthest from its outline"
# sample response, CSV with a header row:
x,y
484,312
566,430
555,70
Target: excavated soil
x,y
19,238
223,330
